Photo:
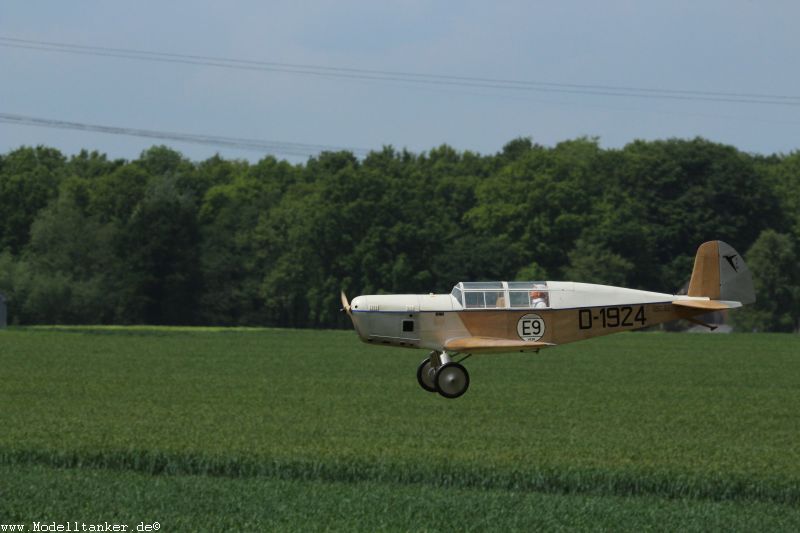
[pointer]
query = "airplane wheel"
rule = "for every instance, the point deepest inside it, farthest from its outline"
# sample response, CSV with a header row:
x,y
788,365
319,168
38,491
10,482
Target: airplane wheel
x,y
452,380
425,376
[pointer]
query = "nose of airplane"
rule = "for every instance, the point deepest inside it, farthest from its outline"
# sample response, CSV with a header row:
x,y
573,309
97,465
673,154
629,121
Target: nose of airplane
x,y
354,308
359,303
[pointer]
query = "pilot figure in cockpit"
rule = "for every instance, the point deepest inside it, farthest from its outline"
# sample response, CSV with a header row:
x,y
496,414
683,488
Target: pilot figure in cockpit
x,y
538,299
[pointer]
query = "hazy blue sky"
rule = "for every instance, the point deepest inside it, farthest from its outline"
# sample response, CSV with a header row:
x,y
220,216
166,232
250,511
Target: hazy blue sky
x,y
718,46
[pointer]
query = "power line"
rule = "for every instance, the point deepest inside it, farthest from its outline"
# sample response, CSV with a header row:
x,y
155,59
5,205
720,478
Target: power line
x,y
391,73
271,147
406,77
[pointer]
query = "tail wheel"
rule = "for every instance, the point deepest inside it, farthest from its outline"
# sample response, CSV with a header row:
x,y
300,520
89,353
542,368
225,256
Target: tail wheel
x,y
452,380
425,375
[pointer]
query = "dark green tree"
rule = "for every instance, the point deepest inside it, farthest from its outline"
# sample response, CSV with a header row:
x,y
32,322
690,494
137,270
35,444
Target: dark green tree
x,y
690,192
159,246
776,277
164,240
591,262
67,274
29,179
233,266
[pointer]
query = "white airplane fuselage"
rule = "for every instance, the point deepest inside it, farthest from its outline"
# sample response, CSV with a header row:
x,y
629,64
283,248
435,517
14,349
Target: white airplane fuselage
x,y
574,311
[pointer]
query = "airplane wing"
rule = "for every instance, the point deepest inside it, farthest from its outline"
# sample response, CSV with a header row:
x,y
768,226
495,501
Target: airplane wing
x,y
493,345
707,305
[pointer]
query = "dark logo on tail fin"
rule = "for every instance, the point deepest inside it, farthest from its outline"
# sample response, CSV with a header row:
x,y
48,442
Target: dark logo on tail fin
x,y
732,260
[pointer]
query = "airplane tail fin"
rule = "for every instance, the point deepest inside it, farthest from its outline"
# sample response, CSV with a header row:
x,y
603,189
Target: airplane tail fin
x,y
720,273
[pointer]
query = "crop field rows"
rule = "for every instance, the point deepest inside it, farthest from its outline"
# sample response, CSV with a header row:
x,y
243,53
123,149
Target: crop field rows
x,y
288,429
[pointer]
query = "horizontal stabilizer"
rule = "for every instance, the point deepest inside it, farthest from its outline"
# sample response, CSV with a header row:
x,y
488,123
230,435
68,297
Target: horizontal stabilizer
x,y
707,305
491,344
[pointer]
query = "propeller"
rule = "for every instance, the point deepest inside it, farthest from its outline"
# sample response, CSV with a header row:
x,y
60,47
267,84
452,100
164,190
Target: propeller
x,y
345,305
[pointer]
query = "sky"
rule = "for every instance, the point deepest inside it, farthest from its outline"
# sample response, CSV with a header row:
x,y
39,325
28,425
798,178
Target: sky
x,y
713,46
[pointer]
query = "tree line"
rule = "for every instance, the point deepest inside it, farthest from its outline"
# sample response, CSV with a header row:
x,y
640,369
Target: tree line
x,y
86,239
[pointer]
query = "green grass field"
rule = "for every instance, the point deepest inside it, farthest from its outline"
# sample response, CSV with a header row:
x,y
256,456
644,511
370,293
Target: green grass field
x,y
313,430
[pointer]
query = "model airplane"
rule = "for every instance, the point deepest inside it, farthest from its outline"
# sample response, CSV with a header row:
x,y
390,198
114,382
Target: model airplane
x,y
500,316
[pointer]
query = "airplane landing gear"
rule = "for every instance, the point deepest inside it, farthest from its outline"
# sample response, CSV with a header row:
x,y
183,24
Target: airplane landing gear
x,y
437,373
425,374
452,380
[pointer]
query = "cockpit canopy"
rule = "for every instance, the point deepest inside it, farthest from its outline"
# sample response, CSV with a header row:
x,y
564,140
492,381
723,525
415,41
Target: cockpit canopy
x,y
502,294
